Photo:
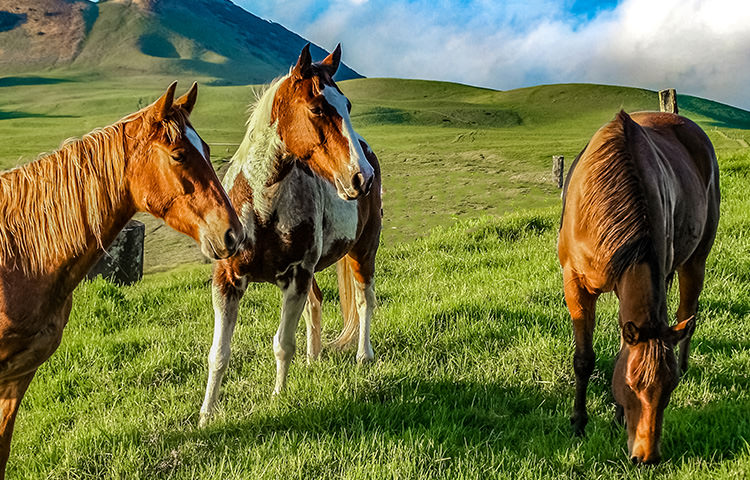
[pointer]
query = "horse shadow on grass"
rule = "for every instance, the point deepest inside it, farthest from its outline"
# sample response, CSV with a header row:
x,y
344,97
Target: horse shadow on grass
x,y
463,416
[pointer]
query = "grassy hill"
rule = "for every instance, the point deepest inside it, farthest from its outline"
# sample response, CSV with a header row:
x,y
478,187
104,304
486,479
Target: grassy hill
x,y
448,151
211,40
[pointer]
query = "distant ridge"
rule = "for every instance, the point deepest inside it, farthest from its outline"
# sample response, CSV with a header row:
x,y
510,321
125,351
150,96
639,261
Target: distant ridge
x,y
212,39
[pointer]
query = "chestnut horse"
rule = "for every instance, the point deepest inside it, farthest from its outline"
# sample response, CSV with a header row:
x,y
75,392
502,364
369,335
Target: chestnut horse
x,y
307,188
641,201
60,211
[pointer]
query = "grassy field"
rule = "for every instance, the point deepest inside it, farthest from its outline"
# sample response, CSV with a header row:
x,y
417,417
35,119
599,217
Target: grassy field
x,y
448,151
473,375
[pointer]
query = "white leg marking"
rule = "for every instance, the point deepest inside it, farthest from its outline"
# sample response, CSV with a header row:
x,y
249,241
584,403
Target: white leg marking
x,y
284,342
312,316
225,319
365,300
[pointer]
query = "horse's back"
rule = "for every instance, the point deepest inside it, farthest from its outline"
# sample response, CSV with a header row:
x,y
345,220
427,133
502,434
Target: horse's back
x,y
688,151
668,130
672,171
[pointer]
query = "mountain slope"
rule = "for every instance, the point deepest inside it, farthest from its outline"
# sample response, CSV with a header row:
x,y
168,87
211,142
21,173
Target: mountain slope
x,y
209,39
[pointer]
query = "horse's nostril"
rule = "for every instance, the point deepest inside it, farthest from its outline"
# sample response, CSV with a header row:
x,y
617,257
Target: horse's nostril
x,y
635,460
230,240
358,182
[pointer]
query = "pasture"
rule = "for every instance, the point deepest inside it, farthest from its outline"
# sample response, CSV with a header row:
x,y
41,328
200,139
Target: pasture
x,y
473,374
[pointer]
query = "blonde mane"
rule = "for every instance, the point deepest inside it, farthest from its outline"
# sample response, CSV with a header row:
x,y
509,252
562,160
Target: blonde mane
x,y
51,207
261,147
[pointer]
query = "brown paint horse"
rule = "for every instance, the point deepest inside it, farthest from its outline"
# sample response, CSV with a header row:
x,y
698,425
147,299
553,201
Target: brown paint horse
x,y
59,212
640,202
307,187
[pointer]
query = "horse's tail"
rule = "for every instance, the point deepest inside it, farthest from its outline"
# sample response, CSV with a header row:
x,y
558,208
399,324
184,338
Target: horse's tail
x,y
348,304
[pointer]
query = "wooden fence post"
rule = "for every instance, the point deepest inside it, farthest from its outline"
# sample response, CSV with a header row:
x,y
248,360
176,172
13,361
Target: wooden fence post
x,y
668,100
123,262
558,169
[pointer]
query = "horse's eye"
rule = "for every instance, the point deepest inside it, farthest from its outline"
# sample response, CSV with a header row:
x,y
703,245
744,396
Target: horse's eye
x,y
179,157
317,111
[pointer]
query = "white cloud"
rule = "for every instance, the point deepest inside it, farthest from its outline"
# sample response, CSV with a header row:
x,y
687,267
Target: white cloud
x,y
699,47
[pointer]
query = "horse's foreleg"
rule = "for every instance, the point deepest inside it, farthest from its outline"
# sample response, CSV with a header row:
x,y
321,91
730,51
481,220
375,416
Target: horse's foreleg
x,y
11,395
581,305
294,295
312,314
226,300
691,276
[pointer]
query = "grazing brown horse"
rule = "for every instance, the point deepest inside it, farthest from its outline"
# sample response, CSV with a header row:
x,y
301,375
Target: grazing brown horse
x,y
58,213
641,201
307,187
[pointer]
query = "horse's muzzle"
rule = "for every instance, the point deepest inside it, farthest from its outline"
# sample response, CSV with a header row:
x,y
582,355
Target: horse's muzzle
x,y
217,246
358,186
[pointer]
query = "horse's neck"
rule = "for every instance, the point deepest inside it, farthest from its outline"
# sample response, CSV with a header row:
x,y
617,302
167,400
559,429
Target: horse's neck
x,y
75,268
641,296
66,267
270,180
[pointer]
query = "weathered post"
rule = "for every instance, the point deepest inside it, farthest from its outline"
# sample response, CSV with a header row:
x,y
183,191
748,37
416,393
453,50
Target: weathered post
x,y
558,169
123,262
668,100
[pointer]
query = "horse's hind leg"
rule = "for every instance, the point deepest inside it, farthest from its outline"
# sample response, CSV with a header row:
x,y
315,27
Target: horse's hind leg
x,y
294,293
226,299
357,293
365,297
691,276
582,306
312,314
11,395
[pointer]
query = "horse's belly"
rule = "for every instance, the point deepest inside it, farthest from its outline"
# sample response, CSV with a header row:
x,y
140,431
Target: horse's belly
x,y
339,225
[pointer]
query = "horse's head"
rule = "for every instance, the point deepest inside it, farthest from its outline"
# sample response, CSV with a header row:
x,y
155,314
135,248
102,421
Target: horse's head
x,y
312,117
170,175
645,375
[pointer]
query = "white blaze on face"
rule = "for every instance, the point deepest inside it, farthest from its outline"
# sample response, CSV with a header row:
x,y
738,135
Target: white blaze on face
x,y
195,140
357,160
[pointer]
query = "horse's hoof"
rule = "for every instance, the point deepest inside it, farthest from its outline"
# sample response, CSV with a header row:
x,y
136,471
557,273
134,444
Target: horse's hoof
x,y
204,420
579,425
313,359
365,357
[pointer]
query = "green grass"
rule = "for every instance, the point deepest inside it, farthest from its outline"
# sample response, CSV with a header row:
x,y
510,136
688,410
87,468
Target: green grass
x,y
473,376
449,152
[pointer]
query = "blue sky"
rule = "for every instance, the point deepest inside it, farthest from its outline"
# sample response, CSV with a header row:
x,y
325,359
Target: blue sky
x,y
700,47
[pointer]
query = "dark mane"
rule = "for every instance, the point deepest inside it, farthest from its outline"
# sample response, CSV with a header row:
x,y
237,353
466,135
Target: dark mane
x,y
614,203
655,353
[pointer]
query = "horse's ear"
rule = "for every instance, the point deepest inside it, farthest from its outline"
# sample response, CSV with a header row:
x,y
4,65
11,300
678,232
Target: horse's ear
x,y
332,61
302,68
678,332
630,333
160,108
187,101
